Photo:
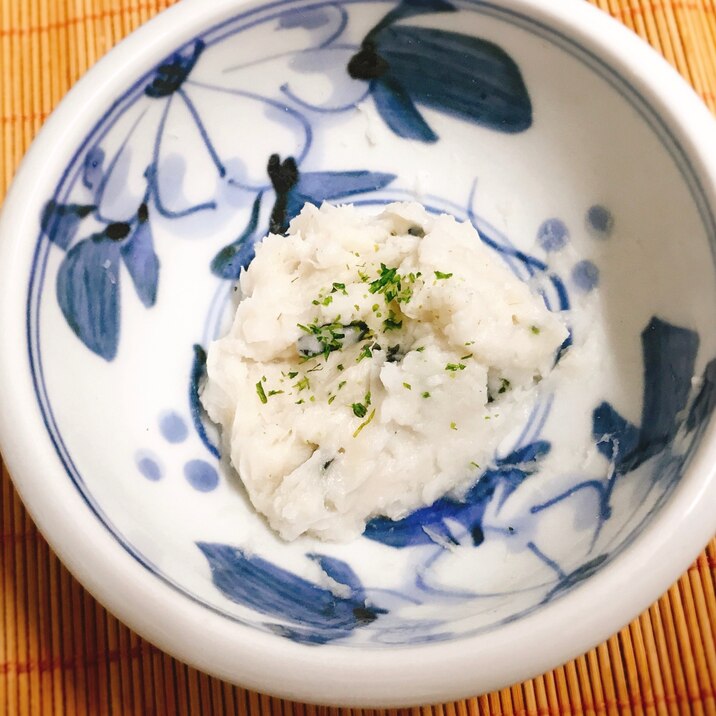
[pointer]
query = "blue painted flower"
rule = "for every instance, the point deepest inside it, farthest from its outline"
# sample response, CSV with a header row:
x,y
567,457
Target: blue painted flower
x,y
463,76
292,190
308,613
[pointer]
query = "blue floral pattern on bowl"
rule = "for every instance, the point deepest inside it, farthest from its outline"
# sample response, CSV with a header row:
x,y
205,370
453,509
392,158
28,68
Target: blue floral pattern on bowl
x,y
132,189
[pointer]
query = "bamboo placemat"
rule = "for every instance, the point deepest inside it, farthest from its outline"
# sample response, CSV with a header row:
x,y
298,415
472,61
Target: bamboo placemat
x,y
61,653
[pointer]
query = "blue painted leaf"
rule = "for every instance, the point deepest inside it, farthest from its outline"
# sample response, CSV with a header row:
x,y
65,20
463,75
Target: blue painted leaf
x,y
173,72
703,406
198,371
342,573
314,613
427,523
93,169
238,254
464,76
410,531
59,222
317,187
615,437
399,111
142,262
410,8
669,354
88,293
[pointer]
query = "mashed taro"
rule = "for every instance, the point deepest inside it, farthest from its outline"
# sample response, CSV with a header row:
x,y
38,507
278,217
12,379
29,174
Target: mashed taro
x,y
375,363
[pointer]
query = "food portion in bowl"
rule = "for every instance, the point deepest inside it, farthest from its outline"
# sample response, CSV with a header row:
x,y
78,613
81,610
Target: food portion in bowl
x,y
375,363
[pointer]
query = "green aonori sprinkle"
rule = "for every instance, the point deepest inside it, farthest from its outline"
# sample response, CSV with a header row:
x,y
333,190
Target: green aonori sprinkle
x,y
392,323
359,410
365,352
453,426
425,394
475,465
420,349
300,402
331,399
260,392
455,367
364,423
341,384
535,330
339,366
407,386
504,385
467,357
440,275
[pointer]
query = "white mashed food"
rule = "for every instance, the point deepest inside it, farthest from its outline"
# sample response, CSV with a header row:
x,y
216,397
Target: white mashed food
x,y
374,364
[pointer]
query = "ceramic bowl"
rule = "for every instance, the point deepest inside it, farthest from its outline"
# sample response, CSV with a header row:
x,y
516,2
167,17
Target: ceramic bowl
x,y
583,161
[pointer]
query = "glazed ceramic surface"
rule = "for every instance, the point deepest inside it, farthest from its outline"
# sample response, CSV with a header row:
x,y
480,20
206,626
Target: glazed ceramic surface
x,y
144,198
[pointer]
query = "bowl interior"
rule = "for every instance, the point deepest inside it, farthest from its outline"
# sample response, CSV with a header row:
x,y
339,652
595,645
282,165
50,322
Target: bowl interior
x,y
473,109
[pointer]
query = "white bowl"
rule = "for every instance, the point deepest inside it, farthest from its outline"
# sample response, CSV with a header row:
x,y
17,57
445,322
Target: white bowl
x,y
582,158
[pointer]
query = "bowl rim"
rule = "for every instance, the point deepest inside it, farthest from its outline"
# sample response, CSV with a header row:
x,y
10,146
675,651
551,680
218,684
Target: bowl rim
x,y
333,674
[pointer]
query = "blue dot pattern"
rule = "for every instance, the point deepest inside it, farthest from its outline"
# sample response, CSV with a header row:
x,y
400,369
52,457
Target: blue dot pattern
x,y
173,427
149,467
600,220
553,235
201,475
585,276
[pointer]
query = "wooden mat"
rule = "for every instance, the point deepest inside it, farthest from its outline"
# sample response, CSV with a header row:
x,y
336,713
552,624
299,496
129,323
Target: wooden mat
x,y
62,653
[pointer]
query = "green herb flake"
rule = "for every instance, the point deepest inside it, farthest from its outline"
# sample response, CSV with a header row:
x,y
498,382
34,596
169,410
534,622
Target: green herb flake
x,y
313,398
341,384
425,394
367,398
359,410
260,393
392,323
475,465
331,399
420,349
303,384
453,426
535,330
470,343
340,367
407,386
339,287
363,424
454,367
300,402
275,392
467,357
365,352
292,374
439,275
504,385
327,300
